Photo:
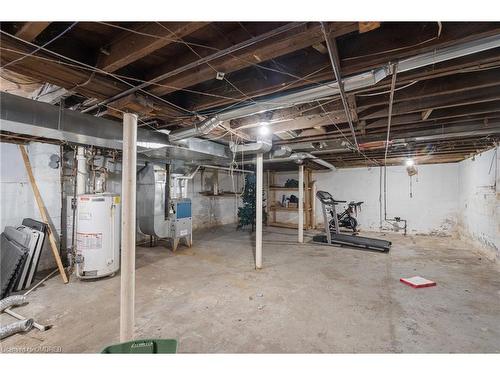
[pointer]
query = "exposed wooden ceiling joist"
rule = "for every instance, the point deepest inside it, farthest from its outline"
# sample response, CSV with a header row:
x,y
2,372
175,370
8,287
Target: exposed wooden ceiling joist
x,y
294,40
30,30
129,46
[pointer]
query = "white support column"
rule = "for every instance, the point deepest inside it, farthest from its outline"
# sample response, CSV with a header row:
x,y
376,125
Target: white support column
x,y
301,203
258,214
129,171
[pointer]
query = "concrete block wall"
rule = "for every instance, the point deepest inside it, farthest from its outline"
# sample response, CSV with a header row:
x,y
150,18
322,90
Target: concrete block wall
x,y
479,201
457,198
211,211
432,209
18,202
16,195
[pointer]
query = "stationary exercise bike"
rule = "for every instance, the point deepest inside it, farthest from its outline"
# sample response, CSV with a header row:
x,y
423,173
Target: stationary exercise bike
x,y
345,218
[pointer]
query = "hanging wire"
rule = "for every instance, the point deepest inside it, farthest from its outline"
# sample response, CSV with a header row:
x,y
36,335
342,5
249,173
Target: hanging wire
x,y
42,46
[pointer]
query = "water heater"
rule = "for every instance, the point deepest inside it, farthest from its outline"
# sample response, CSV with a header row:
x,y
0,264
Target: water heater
x,y
97,235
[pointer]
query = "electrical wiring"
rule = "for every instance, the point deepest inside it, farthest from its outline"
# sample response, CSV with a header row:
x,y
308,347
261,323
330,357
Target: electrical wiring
x,y
390,50
388,91
352,147
210,65
19,83
43,45
173,40
203,46
97,69
389,117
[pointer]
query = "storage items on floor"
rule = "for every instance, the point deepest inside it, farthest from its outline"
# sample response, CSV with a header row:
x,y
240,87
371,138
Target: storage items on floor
x,y
20,253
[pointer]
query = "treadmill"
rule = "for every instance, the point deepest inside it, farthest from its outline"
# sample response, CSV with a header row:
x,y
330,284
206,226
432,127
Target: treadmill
x,y
333,235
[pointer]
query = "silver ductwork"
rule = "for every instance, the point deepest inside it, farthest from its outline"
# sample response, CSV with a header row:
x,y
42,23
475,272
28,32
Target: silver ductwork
x,y
34,118
26,116
282,152
362,80
297,157
301,156
152,201
260,147
205,127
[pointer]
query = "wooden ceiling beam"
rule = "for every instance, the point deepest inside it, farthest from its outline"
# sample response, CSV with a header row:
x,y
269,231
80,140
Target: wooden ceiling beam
x,y
373,49
131,47
30,30
443,101
71,78
439,86
297,39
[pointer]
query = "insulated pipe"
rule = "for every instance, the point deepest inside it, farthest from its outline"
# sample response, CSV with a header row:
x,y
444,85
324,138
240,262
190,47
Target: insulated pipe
x,y
226,168
299,156
129,172
12,301
301,203
305,155
260,147
20,326
81,175
258,214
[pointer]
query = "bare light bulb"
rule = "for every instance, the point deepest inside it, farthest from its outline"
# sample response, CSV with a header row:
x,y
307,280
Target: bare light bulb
x,y
264,130
410,162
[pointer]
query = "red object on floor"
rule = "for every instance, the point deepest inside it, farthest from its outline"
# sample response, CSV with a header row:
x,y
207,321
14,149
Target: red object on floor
x,y
418,282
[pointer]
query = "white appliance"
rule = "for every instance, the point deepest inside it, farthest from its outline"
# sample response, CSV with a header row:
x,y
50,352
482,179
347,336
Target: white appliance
x,y
97,235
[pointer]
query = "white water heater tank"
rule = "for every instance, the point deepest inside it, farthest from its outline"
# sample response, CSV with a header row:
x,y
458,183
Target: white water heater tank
x,y
97,235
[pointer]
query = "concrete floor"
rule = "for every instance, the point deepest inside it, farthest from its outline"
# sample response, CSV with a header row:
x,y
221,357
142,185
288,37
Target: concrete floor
x,y
307,299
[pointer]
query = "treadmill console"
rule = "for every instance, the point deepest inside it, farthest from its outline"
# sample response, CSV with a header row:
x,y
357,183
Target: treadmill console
x,y
325,197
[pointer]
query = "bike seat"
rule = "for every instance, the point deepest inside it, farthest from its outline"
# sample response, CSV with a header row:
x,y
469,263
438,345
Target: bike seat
x,y
336,202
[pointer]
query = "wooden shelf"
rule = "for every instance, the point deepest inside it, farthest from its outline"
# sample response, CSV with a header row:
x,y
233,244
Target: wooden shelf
x,y
276,208
224,194
274,193
275,188
283,225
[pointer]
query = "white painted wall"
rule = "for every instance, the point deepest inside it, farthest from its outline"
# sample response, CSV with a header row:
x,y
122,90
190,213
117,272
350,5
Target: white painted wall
x,y
16,195
18,202
479,200
211,211
431,210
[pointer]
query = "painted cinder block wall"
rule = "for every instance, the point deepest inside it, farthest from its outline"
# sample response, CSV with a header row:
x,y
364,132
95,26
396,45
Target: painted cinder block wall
x,y
432,209
479,201
18,202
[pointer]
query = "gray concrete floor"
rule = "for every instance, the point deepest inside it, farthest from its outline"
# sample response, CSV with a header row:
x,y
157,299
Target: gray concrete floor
x,y
307,299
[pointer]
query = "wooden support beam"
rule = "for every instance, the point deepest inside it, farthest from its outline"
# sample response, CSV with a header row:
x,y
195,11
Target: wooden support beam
x,y
131,47
367,51
71,78
30,30
443,101
43,213
364,27
426,114
302,37
452,84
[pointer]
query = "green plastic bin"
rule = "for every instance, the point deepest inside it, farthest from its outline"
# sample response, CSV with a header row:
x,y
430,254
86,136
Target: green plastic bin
x,y
143,347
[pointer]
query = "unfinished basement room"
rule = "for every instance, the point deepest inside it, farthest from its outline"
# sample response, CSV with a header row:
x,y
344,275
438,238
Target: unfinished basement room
x,y
250,187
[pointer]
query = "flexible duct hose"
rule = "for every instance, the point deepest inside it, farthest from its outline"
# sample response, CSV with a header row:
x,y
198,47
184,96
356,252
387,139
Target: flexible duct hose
x,y
20,326
12,301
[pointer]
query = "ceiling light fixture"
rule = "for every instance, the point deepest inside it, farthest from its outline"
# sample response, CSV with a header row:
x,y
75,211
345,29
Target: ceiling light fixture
x,y
264,129
409,162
